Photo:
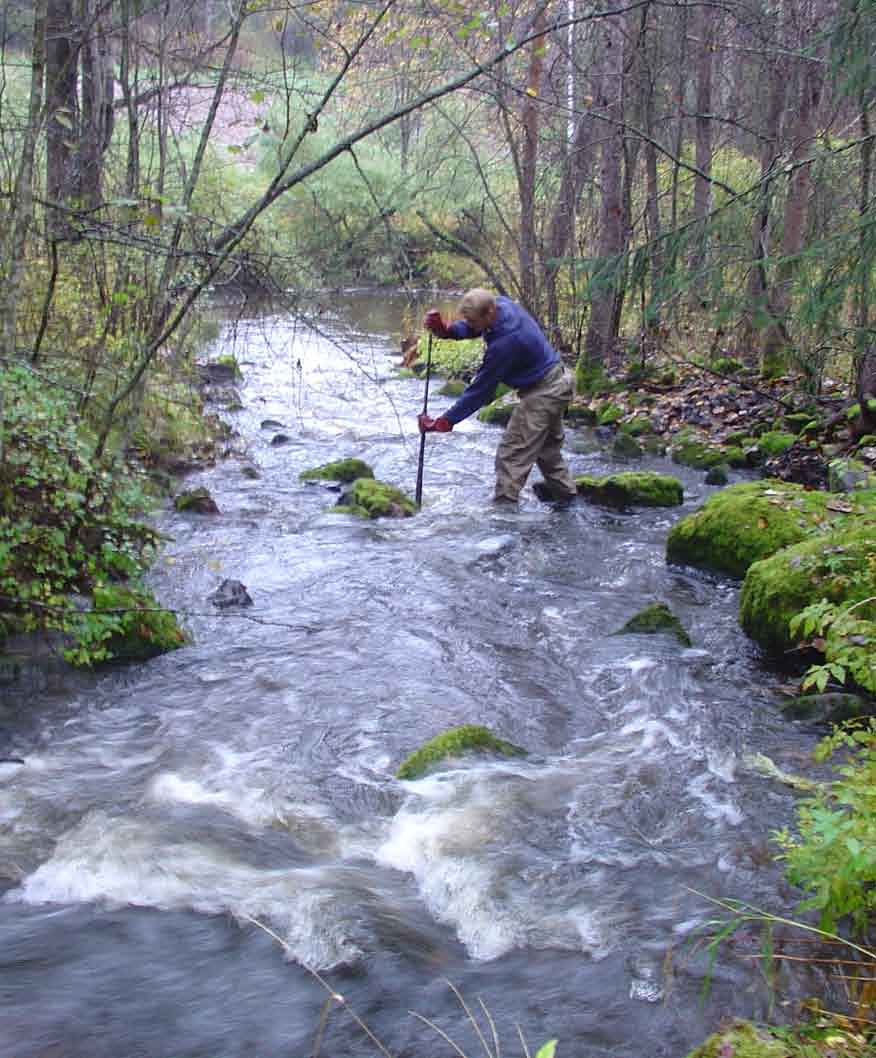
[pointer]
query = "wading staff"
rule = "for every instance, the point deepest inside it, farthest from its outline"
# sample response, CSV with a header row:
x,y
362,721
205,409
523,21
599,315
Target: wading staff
x,y
418,495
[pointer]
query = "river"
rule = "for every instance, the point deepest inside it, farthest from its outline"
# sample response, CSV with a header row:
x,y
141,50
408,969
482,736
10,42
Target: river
x,y
166,808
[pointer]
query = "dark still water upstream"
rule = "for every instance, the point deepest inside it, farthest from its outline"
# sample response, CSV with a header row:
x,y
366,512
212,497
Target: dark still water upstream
x,y
251,775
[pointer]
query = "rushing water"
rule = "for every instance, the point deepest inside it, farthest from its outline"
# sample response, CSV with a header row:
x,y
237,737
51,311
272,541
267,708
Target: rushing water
x,y
250,776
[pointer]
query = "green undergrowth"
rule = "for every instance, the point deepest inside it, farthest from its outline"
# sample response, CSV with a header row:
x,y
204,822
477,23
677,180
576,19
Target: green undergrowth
x,y
71,529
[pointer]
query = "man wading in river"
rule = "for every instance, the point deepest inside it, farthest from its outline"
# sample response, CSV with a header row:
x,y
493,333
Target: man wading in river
x,y
518,354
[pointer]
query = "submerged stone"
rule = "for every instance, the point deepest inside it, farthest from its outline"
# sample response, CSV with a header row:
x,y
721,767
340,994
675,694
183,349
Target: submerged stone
x,y
832,707
632,488
457,741
370,498
230,593
653,620
751,521
340,470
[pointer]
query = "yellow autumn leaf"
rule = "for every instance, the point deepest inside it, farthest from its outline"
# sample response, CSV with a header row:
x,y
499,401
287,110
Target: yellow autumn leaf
x,y
530,91
762,523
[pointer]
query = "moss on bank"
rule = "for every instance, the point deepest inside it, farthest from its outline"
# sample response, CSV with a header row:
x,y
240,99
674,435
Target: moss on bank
x,y
468,738
751,521
839,567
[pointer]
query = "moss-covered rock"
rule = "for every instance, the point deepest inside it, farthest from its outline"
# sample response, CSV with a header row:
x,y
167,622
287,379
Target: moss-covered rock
x,y
773,443
828,708
717,475
370,498
795,421
742,1040
635,427
692,453
632,488
498,412
839,566
735,456
608,413
849,475
751,521
457,741
197,500
654,619
727,365
453,387
626,446
340,470
581,413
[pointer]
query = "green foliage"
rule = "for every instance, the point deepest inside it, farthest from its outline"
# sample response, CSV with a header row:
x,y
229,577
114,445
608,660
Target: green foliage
x,y
833,854
68,526
847,639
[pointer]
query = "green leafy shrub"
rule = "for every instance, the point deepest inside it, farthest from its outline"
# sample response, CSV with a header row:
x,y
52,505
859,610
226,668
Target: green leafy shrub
x,y
833,854
68,525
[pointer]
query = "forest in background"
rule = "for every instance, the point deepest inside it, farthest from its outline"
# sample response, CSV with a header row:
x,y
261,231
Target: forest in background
x,y
648,178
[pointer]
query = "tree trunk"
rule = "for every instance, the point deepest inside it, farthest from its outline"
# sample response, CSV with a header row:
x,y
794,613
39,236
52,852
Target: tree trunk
x,y
607,280
776,338
62,105
20,215
758,285
704,29
96,124
527,174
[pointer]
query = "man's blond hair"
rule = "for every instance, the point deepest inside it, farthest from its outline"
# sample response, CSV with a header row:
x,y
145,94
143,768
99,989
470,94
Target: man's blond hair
x,y
476,305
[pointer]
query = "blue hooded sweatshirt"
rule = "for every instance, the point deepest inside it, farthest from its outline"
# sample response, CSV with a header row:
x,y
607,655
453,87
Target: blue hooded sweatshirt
x,y
517,353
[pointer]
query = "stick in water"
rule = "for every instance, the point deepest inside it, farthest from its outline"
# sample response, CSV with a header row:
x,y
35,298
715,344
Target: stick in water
x,y
418,496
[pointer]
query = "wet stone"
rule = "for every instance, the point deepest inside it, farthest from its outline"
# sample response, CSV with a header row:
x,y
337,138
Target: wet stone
x,y
230,593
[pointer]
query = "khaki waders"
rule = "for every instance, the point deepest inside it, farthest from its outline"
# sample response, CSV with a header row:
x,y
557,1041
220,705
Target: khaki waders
x,y
534,434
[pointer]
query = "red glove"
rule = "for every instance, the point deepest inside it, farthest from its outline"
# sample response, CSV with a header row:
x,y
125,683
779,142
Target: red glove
x,y
434,322
430,425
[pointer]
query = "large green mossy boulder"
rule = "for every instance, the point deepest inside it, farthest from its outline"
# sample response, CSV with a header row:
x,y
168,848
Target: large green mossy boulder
x,y
838,566
750,521
742,1040
340,470
632,488
370,498
456,742
653,620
